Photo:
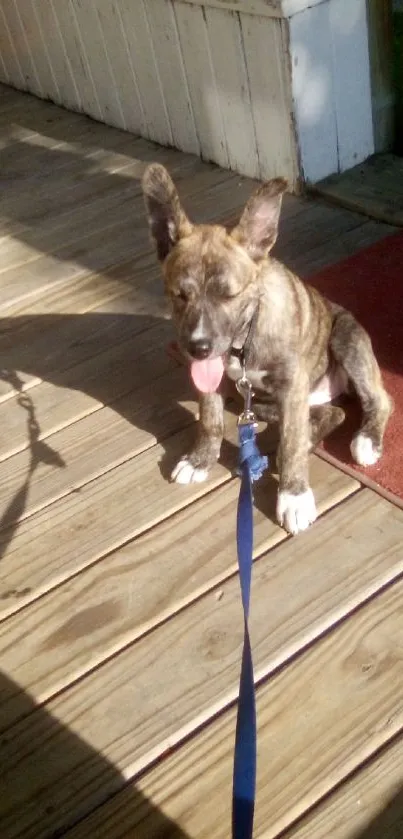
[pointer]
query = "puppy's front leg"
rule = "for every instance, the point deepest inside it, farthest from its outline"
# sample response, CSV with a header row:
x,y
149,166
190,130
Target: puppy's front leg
x,y
194,467
295,504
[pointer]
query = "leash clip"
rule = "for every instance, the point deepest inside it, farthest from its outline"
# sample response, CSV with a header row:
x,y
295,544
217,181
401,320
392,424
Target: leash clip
x,y
244,387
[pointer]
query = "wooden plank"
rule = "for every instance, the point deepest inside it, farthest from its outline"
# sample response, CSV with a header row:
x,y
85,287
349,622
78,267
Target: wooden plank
x,y
22,39
74,50
347,243
29,244
135,24
14,74
312,87
130,282
8,96
89,193
62,192
59,60
166,46
115,43
196,666
312,229
99,252
65,463
365,806
96,253
38,43
65,178
269,8
351,677
100,67
294,7
373,188
32,111
232,84
57,652
3,70
380,42
133,498
197,59
266,48
118,355
26,335
23,155
351,90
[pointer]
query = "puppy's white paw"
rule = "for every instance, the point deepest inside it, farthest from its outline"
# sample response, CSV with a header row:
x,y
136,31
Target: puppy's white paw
x,y
363,450
185,473
296,512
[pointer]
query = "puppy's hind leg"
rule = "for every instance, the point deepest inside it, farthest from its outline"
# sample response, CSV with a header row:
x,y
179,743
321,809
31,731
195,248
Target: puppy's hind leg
x,y
323,419
352,348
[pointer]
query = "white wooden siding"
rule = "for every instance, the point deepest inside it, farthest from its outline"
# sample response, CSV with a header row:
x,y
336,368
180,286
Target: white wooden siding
x,y
260,86
331,86
199,66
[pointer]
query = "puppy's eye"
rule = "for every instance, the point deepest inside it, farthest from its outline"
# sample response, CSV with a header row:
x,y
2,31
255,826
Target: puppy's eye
x,y
228,293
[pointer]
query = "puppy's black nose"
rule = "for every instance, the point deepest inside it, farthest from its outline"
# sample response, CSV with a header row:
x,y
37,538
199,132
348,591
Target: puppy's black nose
x,y
201,348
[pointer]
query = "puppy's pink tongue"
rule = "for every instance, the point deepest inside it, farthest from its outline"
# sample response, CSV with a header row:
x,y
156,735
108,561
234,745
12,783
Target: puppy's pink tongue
x,y
207,374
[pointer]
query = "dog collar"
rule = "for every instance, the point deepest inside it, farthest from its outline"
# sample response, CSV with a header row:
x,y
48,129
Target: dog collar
x,y
242,352
237,352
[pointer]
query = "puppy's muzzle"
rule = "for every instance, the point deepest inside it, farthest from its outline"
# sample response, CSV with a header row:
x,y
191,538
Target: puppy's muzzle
x,y
200,348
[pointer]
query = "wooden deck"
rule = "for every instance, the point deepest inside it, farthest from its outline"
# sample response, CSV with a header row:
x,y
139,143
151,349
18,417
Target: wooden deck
x,y
374,188
121,632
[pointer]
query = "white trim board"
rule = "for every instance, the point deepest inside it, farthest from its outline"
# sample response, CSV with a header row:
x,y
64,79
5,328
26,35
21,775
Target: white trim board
x,y
263,8
331,87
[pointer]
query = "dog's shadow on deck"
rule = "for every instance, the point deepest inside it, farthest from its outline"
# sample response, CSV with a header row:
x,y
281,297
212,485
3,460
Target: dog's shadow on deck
x,y
119,360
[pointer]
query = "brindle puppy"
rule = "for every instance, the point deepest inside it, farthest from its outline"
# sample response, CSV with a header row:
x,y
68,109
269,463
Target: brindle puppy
x,y
230,297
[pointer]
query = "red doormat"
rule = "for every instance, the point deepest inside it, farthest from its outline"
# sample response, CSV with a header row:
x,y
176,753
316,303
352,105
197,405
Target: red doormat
x,y
370,285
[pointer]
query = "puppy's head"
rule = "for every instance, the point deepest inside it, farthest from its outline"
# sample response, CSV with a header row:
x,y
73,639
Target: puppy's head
x,y
210,273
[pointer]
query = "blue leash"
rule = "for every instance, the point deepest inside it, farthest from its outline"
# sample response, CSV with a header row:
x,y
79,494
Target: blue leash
x,y
251,468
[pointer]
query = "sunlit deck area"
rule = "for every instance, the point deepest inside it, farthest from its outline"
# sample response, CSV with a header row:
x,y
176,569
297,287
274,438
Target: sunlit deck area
x,y
121,626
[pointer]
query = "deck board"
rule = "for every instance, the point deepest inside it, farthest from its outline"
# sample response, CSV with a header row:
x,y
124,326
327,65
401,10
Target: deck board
x,y
101,377
114,581
366,806
118,599
318,720
156,692
374,188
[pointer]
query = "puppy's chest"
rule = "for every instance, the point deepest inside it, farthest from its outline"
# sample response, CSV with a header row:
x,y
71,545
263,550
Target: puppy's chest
x,y
264,380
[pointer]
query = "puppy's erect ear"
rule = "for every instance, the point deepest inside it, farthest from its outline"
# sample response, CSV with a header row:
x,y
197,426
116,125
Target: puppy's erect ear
x,y
168,222
257,229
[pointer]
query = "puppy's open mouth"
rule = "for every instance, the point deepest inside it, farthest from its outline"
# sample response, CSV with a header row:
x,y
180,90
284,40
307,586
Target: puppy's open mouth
x,y
207,374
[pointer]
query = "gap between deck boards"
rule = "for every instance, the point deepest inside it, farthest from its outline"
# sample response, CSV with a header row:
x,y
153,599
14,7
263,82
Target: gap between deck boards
x,y
208,634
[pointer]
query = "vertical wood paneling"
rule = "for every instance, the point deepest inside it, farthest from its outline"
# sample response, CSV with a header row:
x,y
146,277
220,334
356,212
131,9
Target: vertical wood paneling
x,y
74,49
58,59
351,81
102,74
39,42
232,84
23,47
199,70
143,61
164,34
313,92
265,41
4,51
14,74
380,42
119,60
3,71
